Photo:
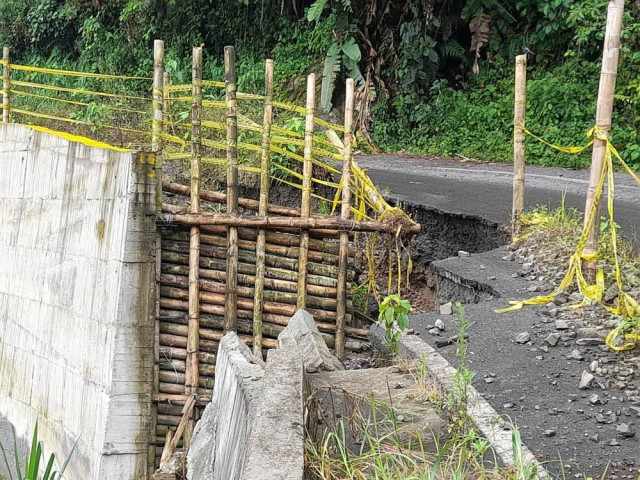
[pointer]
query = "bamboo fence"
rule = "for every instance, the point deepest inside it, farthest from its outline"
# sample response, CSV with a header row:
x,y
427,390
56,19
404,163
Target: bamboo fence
x,y
226,262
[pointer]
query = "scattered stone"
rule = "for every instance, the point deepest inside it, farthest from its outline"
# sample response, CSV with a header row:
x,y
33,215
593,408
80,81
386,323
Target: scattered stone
x,y
434,331
594,366
575,297
462,253
612,293
550,433
576,355
561,325
533,288
595,399
446,309
626,430
439,324
523,337
600,418
589,342
544,348
492,277
561,298
595,438
489,380
483,267
586,380
552,339
614,443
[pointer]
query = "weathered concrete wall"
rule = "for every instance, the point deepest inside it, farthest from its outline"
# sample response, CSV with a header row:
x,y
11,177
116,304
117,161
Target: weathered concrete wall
x,y
76,299
253,428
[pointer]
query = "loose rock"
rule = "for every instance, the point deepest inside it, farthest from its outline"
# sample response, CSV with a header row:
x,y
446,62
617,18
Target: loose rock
x,y
552,339
523,337
446,309
585,380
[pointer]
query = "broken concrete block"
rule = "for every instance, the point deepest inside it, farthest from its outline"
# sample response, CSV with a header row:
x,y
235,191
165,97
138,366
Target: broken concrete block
x,y
200,459
446,309
315,353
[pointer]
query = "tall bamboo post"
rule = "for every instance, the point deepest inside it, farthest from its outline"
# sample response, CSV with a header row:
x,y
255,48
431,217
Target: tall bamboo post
x,y
604,110
193,340
6,84
307,170
519,142
231,311
156,124
345,213
263,210
165,99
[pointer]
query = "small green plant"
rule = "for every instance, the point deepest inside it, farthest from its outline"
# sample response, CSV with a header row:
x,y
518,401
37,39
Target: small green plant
x,y
35,461
457,400
394,317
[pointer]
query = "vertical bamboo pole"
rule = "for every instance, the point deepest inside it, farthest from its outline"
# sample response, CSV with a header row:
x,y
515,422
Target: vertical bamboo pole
x,y
193,340
258,298
604,109
345,213
231,309
192,374
6,84
305,208
156,147
156,124
165,100
518,142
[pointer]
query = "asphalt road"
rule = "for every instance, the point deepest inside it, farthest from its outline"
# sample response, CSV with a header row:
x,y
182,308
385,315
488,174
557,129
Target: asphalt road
x,y
485,189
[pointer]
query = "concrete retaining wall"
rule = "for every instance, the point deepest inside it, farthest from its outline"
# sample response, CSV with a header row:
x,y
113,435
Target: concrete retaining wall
x,y
76,299
253,429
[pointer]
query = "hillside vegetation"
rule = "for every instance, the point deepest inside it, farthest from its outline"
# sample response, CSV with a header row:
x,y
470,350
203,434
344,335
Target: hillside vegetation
x,y
437,74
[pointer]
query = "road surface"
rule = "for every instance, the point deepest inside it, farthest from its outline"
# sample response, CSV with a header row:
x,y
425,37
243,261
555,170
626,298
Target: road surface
x,y
485,189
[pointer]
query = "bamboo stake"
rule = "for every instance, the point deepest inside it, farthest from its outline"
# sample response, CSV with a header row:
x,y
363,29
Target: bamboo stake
x,y
305,208
232,185
194,238
519,142
6,84
606,91
344,215
156,124
156,147
263,210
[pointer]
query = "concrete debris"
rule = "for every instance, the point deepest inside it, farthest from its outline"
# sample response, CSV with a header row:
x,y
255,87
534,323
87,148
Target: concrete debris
x,y
462,253
585,380
439,324
561,325
626,430
523,337
315,353
446,309
552,339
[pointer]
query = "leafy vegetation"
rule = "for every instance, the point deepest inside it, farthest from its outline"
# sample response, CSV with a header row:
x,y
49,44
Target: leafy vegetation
x,y
394,317
435,76
36,465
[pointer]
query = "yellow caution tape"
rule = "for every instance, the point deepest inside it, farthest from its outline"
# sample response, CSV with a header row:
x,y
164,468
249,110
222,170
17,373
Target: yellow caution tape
x,y
44,86
70,73
626,306
79,139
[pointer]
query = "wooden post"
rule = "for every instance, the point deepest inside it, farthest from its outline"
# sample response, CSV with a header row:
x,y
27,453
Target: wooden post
x,y
193,337
156,147
345,213
156,124
305,207
258,298
6,84
231,310
519,142
604,109
165,99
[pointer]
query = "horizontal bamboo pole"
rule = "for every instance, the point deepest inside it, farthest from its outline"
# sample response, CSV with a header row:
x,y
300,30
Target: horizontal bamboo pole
x,y
175,377
318,233
209,251
249,280
176,341
275,273
246,203
206,369
214,321
171,353
245,303
250,246
180,399
273,238
176,389
324,303
333,223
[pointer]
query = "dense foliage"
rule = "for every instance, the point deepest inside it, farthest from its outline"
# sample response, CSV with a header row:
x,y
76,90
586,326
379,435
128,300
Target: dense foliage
x,y
437,74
